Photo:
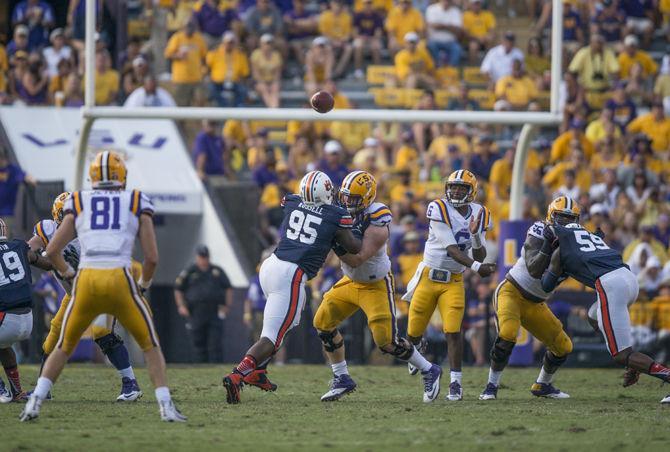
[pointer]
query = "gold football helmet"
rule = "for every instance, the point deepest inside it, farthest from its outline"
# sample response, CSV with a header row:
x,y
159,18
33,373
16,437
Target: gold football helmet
x,y
460,188
107,170
358,191
563,210
57,207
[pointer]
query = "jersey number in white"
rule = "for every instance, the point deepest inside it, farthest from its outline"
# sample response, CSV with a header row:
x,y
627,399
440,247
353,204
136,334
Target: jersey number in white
x,y
300,227
590,242
11,268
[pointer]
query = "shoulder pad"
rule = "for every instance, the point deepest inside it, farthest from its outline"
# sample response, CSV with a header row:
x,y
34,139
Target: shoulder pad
x,y
291,198
438,210
537,229
487,220
379,214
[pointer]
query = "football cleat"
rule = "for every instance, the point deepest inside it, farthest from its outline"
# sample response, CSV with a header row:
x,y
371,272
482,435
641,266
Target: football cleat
x,y
233,383
548,390
48,397
32,409
421,348
130,390
455,391
20,397
431,383
259,378
5,394
666,400
170,413
340,386
490,392
630,377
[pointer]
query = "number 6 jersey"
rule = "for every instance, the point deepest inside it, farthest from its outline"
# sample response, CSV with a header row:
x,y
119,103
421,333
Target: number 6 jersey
x,y
107,222
308,233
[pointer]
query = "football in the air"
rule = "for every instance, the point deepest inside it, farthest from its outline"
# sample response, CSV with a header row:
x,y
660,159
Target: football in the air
x,y
322,101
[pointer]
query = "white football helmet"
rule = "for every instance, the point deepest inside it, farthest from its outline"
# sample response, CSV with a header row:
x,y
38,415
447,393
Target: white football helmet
x,y
316,189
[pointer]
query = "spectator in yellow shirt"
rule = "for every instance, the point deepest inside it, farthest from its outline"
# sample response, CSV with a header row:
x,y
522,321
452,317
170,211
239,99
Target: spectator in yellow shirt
x,y
655,125
335,24
603,127
187,49
381,6
595,64
403,19
515,91
319,63
406,156
560,150
577,163
500,179
229,68
479,25
631,56
414,65
107,80
266,65
409,258
450,136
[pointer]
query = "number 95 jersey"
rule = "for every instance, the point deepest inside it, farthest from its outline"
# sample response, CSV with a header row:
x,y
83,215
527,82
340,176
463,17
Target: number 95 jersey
x,y
107,222
308,233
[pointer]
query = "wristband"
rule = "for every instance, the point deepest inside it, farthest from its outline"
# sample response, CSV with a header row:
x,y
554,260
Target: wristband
x,y
144,284
475,266
476,241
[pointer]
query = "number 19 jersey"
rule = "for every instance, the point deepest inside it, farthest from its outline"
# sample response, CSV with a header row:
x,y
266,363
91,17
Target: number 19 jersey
x,y
107,222
585,256
308,233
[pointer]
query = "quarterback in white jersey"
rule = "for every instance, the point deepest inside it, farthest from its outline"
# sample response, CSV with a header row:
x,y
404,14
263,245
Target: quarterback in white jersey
x,y
457,225
110,344
367,285
519,301
106,220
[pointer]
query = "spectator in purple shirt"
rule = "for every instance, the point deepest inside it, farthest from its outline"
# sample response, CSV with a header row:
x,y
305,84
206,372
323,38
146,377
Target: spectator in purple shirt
x,y
368,30
332,164
661,229
266,171
482,162
19,42
639,19
38,16
301,28
11,178
209,152
213,22
609,22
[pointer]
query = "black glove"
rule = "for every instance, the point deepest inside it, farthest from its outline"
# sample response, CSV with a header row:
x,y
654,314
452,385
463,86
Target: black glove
x,y
339,249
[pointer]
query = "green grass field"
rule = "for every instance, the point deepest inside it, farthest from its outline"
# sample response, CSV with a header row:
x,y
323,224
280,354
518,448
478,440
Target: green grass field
x,y
386,413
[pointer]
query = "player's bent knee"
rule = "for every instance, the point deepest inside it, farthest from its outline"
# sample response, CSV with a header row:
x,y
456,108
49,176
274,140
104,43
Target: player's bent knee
x,y
381,331
329,342
562,345
401,349
109,342
501,351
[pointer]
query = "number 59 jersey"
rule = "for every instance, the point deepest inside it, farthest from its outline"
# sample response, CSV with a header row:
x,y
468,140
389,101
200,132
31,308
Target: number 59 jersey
x,y
107,222
308,233
585,256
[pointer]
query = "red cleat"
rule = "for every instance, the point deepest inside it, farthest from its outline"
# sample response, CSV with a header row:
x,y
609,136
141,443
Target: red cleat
x,y
630,377
259,378
233,383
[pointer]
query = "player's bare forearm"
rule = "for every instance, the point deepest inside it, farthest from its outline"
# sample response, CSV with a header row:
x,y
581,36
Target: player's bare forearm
x,y
36,243
479,254
459,256
37,260
149,247
374,238
536,262
64,235
348,241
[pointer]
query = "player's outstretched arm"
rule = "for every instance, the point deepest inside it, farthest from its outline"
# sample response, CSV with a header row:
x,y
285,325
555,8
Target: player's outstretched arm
x,y
374,238
54,252
149,249
537,254
347,240
551,277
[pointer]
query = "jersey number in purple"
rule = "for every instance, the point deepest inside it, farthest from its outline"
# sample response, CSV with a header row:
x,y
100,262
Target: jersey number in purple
x,y
100,213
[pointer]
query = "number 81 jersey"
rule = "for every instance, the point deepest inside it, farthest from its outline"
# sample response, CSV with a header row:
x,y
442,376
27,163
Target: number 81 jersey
x,y
107,222
308,233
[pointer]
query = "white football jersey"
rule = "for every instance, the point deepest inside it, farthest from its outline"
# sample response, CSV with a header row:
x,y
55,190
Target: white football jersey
x,y
45,230
378,266
107,222
519,272
449,227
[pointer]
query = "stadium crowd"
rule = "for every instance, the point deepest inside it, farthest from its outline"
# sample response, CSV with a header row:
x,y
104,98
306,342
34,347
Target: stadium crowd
x,y
611,153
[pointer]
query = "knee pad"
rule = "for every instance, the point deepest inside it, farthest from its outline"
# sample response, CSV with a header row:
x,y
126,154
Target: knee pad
x,y
400,348
328,340
109,342
501,351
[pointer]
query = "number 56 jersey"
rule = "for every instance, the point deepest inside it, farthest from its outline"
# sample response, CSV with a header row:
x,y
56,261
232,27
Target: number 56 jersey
x,y
107,222
308,233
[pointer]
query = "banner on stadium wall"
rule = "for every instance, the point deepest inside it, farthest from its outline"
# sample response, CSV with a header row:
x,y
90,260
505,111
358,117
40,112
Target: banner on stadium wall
x,y
511,238
44,140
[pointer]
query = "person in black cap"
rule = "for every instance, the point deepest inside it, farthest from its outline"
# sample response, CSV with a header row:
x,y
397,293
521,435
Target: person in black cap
x,y
203,294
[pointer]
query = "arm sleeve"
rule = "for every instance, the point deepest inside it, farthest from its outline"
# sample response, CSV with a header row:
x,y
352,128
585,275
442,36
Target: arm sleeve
x,y
381,216
146,206
345,221
443,233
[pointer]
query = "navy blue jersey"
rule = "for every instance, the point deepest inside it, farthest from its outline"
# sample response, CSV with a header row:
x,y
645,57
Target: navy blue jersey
x,y
585,256
308,233
15,278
